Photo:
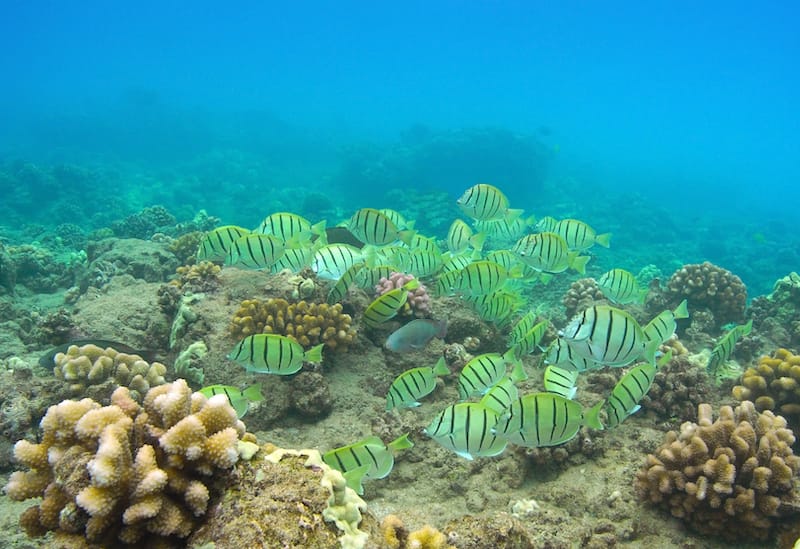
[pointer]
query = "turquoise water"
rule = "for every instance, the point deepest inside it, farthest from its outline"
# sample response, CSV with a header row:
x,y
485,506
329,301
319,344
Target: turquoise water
x,y
672,125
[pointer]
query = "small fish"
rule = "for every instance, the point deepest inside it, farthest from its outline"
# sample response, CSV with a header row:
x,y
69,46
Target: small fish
x,y
545,419
579,235
419,242
530,341
410,386
397,218
415,335
239,399
723,349
273,354
372,227
455,262
465,428
559,353
483,371
547,224
480,278
663,325
560,381
620,286
216,244
255,251
485,202
366,459
495,307
506,258
385,306
331,261
294,259
522,327
424,263
47,360
628,392
501,395
290,227
506,229
369,277
339,290
460,237
608,335
548,253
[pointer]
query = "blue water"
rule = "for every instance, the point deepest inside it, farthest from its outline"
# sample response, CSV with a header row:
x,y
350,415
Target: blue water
x,y
673,124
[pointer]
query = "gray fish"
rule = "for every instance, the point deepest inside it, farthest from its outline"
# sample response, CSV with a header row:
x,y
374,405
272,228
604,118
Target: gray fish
x,y
415,335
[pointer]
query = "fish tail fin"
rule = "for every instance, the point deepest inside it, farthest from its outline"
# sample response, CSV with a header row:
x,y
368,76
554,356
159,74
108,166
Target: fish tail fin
x,y
545,278
319,229
354,477
477,240
664,359
253,393
530,221
603,239
512,214
518,373
592,416
578,263
650,351
747,328
400,443
301,240
412,284
314,354
370,255
441,369
682,310
406,236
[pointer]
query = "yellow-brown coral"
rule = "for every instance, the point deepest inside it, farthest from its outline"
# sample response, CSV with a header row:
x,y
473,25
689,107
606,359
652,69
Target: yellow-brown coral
x,y
774,384
127,471
708,286
92,365
396,536
307,323
201,277
727,477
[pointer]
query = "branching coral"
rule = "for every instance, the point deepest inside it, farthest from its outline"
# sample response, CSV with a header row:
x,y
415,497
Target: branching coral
x,y
774,384
730,477
711,287
124,471
419,301
92,365
307,323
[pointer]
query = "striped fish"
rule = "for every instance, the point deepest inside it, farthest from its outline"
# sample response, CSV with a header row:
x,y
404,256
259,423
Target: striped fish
x,y
419,242
369,277
501,395
483,371
530,341
548,253
506,258
216,244
424,263
663,326
560,381
240,399
545,419
366,459
480,278
331,261
372,227
579,235
339,290
460,237
255,251
410,386
505,229
386,306
290,227
620,286
294,259
559,353
522,327
484,202
495,307
628,392
465,428
397,218
608,335
547,224
273,354
724,348
455,262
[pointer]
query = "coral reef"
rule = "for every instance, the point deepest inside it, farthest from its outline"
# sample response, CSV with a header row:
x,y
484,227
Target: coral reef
x,y
707,286
581,294
396,536
197,278
733,477
774,384
310,395
307,323
777,315
92,365
144,223
418,303
678,388
128,473
185,246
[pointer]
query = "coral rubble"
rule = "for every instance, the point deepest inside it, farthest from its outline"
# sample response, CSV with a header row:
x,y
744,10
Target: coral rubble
x,y
732,477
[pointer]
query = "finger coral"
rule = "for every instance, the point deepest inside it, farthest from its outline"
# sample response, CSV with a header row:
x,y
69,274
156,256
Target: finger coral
x,y
307,323
708,286
130,472
93,365
729,478
774,384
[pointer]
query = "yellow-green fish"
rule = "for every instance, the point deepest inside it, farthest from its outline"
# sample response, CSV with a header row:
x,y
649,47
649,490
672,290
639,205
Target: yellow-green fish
x,y
620,286
579,235
559,353
216,244
330,262
424,263
370,226
480,278
547,224
485,202
369,277
465,428
560,381
545,419
663,325
273,354
483,371
629,391
522,327
501,395
295,259
495,307
386,306
505,229
240,399
369,458
530,341
290,227
339,289
410,386
255,251
548,253
723,349
397,218
460,236
608,335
